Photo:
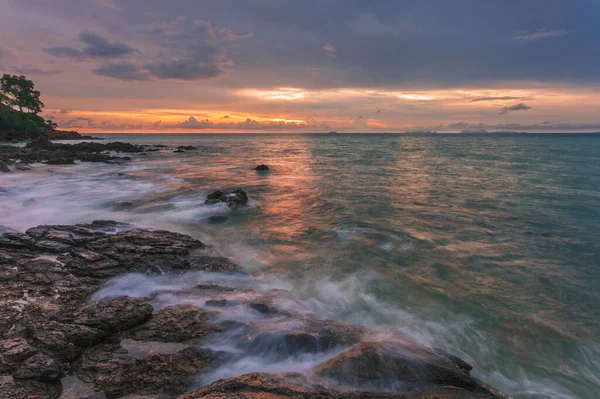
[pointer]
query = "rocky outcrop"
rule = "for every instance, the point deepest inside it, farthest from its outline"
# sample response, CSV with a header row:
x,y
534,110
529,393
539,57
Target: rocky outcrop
x,y
43,150
52,326
234,198
261,168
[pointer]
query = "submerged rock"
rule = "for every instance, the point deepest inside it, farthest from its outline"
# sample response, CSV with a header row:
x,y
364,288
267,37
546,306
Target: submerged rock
x,y
187,147
234,198
261,168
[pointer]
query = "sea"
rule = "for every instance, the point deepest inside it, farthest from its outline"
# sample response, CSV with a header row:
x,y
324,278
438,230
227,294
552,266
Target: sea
x,y
487,247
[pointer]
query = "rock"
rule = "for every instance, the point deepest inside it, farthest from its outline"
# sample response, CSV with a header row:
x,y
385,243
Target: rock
x,y
61,161
115,315
234,199
4,168
216,219
187,147
278,386
215,195
178,151
39,367
261,168
112,370
393,365
179,323
229,268
22,166
29,389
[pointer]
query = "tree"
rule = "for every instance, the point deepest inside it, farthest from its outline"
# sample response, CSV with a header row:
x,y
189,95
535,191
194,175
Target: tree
x,y
19,92
49,125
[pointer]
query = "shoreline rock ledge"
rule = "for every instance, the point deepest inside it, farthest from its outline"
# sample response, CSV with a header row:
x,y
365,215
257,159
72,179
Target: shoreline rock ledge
x,y
57,339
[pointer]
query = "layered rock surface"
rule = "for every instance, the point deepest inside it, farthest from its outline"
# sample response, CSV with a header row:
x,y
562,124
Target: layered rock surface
x,y
53,331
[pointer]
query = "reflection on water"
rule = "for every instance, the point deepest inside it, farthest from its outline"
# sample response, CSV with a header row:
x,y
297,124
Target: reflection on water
x,y
487,247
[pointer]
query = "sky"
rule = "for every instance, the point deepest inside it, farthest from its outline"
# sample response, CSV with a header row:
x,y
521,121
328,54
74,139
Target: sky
x,y
196,66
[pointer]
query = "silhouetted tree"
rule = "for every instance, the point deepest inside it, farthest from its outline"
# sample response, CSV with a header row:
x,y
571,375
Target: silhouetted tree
x,y
19,92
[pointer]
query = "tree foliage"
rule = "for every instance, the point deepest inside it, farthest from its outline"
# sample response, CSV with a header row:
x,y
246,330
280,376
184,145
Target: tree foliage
x,y
19,92
19,107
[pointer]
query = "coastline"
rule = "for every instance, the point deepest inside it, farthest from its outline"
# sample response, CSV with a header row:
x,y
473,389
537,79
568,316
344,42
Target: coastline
x,y
77,260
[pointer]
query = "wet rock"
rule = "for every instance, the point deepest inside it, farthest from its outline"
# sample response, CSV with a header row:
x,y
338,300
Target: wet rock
x,y
22,166
229,268
216,219
302,336
111,369
393,365
115,315
261,168
187,147
178,151
234,198
61,161
179,323
4,167
278,386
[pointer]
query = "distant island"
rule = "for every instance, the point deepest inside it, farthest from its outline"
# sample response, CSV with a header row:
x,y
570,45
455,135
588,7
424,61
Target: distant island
x,y
332,133
20,105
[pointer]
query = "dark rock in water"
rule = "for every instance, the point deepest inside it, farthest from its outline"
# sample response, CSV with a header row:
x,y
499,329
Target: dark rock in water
x,y
281,386
261,168
61,161
29,202
217,219
22,166
151,150
392,365
230,268
187,147
296,385
4,168
178,151
233,199
215,195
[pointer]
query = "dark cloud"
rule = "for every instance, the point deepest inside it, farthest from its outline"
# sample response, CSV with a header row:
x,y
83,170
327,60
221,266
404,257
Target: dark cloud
x,y
516,107
64,111
379,110
96,47
32,71
122,71
185,69
495,98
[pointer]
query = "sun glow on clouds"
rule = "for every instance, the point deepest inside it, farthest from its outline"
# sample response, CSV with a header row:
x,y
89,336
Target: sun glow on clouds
x,y
343,109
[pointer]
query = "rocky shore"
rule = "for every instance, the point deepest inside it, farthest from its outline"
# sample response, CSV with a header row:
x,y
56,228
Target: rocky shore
x,y
43,150
59,338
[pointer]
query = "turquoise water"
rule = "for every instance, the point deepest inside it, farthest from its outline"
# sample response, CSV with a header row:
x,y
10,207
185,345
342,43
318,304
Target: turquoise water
x,y
486,246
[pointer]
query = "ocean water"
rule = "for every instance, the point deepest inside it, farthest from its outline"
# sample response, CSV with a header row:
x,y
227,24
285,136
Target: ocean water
x,y
488,247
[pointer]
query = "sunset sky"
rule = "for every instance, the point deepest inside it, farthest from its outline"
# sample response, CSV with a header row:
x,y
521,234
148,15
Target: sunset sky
x,y
308,66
